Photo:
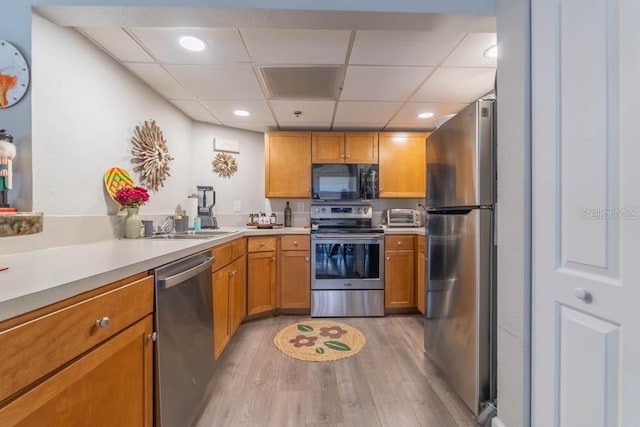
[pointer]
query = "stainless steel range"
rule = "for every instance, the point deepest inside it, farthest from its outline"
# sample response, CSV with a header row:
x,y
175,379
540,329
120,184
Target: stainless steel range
x,y
347,273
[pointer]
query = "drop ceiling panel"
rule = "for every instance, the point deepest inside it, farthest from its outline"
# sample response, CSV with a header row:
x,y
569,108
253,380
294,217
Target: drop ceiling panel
x,y
255,127
117,42
377,113
312,111
402,47
195,110
161,81
456,85
364,83
470,52
216,82
223,110
223,45
291,46
407,117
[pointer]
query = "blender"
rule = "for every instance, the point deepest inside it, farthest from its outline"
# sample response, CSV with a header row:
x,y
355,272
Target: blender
x,y
206,212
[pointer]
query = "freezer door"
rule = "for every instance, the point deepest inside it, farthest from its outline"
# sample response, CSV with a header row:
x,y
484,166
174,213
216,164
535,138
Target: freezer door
x,y
460,159
458,322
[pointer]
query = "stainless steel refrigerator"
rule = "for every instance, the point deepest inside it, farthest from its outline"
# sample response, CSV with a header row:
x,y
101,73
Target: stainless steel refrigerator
x,y
460,283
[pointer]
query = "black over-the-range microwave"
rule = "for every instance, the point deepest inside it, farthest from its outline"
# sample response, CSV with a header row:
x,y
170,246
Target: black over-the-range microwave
x,y
333,181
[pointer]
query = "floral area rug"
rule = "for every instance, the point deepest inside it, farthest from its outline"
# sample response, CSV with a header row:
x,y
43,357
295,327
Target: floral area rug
x,y
319,340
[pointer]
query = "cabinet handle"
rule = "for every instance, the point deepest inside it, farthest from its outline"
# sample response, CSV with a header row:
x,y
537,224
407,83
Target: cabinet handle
x,y
152,336
274,258
261,243
388,258
399,243
103,323
306,259
295,243
381,189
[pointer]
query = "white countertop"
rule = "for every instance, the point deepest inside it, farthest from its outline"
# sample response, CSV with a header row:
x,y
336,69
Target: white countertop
x,y
39,278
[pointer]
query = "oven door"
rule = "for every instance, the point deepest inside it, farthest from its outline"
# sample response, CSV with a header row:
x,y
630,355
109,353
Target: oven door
x,y
347,261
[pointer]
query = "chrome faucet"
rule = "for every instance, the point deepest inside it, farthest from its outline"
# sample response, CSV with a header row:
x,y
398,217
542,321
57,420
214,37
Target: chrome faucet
x,y
168,225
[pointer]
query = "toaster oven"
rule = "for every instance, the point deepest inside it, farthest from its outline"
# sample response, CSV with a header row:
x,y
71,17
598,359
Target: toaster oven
x,y
403,218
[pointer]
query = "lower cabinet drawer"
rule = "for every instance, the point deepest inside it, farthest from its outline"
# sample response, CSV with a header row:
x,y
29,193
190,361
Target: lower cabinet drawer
x,y
295,243
261,244
34,349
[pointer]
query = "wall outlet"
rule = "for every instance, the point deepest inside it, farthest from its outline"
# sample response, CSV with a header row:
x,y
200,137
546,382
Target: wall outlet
x,y
236,205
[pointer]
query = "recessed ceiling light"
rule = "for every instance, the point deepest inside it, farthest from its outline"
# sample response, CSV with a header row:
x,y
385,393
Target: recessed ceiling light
x,y
241,113
192,43
491,52
425,115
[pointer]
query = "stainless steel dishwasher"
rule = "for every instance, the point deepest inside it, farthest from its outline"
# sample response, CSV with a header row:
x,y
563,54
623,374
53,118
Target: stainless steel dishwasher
x,y
184,345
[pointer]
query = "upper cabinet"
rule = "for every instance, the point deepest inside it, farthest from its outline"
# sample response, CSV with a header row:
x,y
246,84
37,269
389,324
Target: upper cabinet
x,y
402,164
344,147
288,164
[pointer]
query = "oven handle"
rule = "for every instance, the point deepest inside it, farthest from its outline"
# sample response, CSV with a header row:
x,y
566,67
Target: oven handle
x,y
348,236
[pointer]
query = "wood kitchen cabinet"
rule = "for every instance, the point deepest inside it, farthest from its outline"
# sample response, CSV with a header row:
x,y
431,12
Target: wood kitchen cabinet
x,y
399,279
344,147
229,292
295,274
83,361
261,275
288,164
402,164
420,273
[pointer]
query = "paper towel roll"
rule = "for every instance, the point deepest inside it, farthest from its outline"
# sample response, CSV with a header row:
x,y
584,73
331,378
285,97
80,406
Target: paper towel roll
x,y
191,206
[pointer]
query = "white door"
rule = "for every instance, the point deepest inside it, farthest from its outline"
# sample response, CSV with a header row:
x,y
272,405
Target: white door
x,y
586,213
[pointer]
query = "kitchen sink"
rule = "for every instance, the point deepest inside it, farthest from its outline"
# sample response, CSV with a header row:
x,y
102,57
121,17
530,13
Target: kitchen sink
x,y
180,237
191,235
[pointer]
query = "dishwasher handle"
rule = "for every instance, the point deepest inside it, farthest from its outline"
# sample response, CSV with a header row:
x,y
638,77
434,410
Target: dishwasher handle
x,y
176,279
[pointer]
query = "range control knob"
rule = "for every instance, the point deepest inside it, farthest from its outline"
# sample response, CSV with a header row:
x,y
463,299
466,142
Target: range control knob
x,y
359,210
317,210
323,210
365,210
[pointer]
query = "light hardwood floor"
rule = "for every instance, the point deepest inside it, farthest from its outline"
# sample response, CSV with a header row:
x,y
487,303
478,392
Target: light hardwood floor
x,y
389,383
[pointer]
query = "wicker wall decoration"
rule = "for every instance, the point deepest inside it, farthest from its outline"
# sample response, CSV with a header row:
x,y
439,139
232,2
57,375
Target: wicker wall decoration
x,y
151,155
225,165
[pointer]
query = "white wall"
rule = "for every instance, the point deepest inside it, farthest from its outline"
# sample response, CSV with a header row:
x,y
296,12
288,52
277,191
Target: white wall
x,y
246,185
514,212
85,108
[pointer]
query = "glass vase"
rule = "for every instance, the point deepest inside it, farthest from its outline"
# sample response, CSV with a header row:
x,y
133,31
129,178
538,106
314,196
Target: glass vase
x,y
132,224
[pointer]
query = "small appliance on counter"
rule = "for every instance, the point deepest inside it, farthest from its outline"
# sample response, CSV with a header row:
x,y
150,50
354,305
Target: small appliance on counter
x,y
403,218
207,220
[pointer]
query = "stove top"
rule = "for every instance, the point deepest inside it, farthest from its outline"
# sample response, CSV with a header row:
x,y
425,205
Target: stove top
x,y
342,219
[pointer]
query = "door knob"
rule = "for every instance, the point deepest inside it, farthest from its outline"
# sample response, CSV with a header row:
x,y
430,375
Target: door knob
x,y
583,294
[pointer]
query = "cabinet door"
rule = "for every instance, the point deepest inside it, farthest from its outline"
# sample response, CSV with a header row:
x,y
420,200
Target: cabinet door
x,y
399,280
261,282
327,147
288,164
402,164
221,279
237,294
295,280
361,147
111,385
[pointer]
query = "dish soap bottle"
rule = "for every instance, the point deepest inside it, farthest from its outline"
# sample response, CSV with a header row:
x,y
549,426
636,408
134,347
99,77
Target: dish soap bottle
x,y
287,215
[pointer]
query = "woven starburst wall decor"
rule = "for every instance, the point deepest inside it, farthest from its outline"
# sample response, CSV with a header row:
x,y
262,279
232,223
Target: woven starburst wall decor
x,y
225,165
151,155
